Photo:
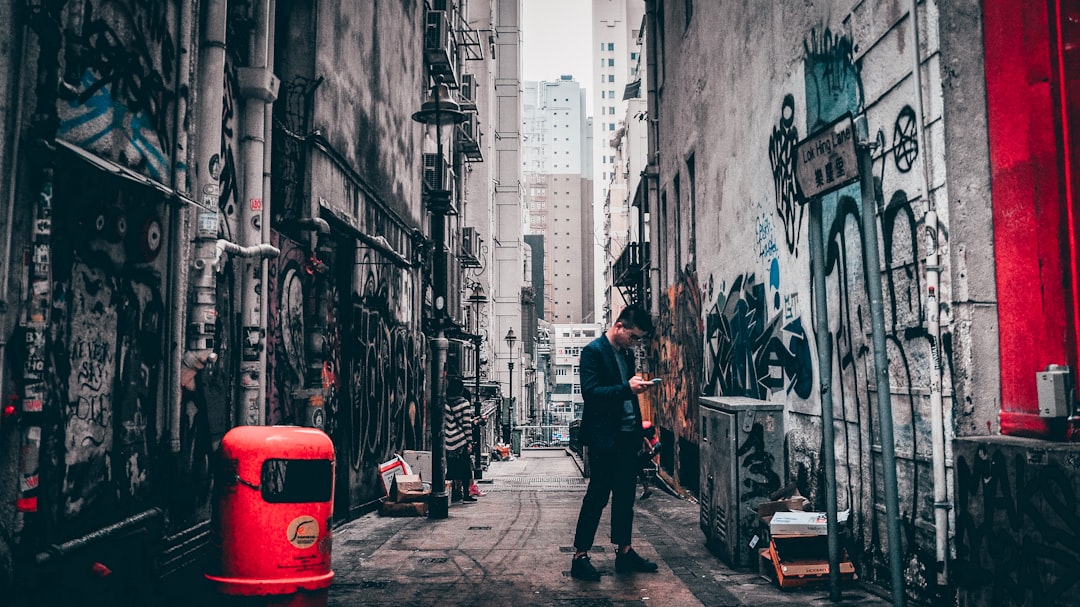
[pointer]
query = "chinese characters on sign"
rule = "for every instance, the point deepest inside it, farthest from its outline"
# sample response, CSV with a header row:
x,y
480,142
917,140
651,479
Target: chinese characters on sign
x,y
827,160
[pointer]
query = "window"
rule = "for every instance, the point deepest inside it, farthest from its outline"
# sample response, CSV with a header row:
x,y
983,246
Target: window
x,y
611,78
611,63
610,46
576,389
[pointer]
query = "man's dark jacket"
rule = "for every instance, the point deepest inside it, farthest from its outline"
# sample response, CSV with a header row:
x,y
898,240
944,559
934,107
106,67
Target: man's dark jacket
x,y
604,391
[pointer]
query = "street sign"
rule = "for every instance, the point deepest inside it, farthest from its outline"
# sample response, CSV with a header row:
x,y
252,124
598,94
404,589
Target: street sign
x,y
827,161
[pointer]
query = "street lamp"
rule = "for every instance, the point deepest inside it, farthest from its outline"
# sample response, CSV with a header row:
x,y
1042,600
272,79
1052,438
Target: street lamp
x,y
439,114
511,339
477,299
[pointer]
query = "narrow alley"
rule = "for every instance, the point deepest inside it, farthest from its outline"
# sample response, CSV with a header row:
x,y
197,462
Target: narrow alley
x,y
513,548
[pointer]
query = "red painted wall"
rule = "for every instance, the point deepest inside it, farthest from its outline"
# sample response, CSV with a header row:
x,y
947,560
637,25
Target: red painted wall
x,y
1034,238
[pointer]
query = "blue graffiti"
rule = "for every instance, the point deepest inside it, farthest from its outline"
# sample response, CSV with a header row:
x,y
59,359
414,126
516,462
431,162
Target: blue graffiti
x,y
750,354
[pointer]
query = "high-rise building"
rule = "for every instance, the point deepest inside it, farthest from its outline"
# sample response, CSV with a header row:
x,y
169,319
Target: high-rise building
x,y
558,195
616,57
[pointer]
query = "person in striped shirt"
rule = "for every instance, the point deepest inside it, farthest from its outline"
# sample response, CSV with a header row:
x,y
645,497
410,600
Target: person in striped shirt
x,y
458,424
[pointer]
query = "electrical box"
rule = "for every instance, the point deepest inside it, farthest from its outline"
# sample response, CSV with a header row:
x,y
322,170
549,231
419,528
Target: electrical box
x,y
742,462
1053,390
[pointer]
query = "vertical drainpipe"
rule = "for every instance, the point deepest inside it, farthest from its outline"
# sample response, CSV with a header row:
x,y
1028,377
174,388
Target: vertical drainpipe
x,y
258,88
202,328
179,222
9,231
35,320
313,391
652,167
933,322
872,264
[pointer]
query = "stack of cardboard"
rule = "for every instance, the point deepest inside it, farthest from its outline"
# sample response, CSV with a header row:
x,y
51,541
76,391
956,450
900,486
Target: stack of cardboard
x,y
408,497
797,553
405,491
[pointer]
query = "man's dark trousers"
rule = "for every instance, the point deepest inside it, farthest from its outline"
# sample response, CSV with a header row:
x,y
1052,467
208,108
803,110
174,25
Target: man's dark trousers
x,y
614,472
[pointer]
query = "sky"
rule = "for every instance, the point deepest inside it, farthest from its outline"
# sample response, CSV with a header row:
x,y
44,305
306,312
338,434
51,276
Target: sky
x,y
557,39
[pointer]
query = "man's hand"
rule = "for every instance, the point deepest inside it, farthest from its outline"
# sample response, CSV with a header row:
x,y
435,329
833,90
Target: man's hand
x,y
638,385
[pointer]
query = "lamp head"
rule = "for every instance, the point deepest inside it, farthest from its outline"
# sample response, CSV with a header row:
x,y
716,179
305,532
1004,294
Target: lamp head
x,y
478,296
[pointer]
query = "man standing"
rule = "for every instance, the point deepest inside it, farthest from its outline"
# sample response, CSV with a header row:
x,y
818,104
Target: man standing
x,y
611,429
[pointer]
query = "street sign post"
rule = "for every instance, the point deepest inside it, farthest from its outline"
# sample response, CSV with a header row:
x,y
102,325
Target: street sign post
x,y
827,160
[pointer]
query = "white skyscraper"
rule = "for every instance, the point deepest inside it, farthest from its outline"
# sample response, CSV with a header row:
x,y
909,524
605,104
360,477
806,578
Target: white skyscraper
x,y
558,195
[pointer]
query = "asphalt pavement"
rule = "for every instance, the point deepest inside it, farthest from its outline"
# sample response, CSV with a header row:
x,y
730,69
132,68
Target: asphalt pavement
x,y
513,547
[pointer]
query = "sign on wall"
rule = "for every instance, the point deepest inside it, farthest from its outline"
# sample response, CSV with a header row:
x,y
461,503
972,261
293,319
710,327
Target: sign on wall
x,y
827,161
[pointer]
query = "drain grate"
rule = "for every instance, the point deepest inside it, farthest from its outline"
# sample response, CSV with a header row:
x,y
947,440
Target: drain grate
x,y
537,483
583,602
480,528
431,560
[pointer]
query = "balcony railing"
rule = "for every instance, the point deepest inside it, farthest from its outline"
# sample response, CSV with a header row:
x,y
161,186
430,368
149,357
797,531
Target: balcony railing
x,y
627,270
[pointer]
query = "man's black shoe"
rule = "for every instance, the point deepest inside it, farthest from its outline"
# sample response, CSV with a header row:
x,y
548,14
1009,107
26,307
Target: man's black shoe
x,y
468,498
582,569
631,562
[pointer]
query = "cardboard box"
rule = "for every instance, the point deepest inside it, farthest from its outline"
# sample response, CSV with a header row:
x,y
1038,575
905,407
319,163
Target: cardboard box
x,y
419,461
404,509
799,561
391,468
794,503
802,523
408,488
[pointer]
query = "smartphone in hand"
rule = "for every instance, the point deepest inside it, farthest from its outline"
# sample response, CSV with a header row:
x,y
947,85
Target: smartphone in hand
x,y
656,380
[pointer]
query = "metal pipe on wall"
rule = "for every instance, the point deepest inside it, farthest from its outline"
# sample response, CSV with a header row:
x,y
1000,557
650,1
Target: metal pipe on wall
x,y
202,329
179,228
872,264
13,178
651,285
825,358
258,88
933,320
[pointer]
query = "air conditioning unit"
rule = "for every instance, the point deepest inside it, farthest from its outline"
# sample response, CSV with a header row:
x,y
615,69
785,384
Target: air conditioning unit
x,y
468,93
439,47
468,141
470,247
438,175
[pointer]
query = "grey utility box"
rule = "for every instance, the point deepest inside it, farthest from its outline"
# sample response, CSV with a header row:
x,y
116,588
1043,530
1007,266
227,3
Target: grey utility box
x,y
742,462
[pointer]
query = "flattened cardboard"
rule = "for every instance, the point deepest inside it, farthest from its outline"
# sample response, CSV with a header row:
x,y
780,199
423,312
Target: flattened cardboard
x,y
404,509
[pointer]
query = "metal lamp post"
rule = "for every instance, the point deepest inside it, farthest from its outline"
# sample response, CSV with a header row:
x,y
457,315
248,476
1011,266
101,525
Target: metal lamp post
x,y
511,339
477,299
439,114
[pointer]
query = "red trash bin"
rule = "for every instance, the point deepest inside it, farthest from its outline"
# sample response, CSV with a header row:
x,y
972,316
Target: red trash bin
x,y
274,505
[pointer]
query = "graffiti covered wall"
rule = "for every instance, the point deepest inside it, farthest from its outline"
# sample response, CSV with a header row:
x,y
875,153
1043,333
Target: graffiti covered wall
x,y
105,342
1017,520
757,318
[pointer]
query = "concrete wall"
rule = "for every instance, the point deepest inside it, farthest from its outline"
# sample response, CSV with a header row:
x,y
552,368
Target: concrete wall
x,y
738,88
